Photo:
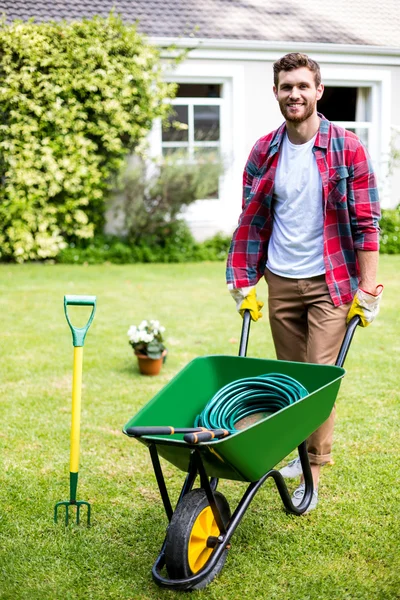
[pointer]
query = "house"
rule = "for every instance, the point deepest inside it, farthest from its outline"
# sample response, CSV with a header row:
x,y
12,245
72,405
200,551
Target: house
x,y
225,95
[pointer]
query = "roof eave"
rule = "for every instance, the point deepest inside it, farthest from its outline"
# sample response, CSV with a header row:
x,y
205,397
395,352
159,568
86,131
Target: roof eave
x,y
274,46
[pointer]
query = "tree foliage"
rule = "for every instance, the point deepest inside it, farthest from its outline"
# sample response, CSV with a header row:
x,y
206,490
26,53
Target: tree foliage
x,y
75,99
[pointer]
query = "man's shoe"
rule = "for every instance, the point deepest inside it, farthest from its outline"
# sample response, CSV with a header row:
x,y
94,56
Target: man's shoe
x,y
298,495
292,469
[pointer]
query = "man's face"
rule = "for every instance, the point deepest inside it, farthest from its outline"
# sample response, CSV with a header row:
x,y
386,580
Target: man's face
x,y
297,94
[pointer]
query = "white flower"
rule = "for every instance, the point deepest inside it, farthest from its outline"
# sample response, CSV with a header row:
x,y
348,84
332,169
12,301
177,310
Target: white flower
x,y
132,333
146,332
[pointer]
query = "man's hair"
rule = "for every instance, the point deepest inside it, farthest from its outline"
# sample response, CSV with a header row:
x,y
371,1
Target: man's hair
x,y
296,60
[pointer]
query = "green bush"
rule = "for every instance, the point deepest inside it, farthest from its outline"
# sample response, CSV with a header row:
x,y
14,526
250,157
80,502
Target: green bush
x,y
75,98
157,194
215,248
171,244
390,231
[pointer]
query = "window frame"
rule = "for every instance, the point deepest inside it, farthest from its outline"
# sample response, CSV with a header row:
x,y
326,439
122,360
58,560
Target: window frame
x,y
192,144
205,216
379,83
364,105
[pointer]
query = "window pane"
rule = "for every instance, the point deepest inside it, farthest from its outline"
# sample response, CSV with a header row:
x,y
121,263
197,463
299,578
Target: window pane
x,y
198,90
206,123
364,108
172,132
338,103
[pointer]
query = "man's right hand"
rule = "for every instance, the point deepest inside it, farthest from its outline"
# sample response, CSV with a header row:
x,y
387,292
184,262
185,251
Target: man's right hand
x,y
246,299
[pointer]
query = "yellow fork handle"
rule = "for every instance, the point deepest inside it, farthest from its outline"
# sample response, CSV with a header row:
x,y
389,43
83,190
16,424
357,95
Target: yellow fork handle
x,y
76,408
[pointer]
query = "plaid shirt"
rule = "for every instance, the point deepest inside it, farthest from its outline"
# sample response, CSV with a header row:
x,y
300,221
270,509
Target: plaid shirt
x,y
351,209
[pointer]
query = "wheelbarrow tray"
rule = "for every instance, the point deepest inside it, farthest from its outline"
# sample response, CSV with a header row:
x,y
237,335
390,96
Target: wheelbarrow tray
x,y
249,453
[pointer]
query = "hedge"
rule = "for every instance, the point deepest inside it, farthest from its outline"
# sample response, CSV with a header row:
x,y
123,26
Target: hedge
x,y
178,246
75,98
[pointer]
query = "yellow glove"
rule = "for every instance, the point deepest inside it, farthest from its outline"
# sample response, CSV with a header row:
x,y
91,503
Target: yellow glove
x,y
365,305
246,299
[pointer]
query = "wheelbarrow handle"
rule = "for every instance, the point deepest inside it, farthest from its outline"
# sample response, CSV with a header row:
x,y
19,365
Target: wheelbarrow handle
x,y
244,338
344,348
351,327
79,333
161,430
205,436
193,435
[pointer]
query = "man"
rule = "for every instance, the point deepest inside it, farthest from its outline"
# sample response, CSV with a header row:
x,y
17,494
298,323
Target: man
x,y
309,225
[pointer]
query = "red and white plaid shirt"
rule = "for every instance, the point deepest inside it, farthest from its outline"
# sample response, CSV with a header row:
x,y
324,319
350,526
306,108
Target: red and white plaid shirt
x,y
351,209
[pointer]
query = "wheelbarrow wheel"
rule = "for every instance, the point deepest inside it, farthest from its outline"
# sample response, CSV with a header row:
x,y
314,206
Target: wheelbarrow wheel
x,y
186,550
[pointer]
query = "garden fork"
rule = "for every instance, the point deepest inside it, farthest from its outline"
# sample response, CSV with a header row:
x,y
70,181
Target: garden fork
x,y
78,339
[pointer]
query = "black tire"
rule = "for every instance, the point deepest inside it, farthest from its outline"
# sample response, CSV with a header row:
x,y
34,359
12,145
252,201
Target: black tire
x,y
179,539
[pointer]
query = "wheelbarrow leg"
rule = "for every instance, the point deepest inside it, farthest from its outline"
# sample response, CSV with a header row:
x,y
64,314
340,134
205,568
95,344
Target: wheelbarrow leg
x,y
308,480
187,486
160,481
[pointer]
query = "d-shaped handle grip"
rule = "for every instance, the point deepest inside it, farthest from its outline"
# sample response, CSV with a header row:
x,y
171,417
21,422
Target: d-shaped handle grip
x,y
79,333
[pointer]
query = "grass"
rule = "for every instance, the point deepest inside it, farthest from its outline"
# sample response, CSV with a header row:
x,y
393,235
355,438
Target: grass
x,y
347,549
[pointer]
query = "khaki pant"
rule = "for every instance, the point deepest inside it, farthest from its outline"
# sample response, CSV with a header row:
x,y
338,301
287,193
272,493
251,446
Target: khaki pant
x,y
307,327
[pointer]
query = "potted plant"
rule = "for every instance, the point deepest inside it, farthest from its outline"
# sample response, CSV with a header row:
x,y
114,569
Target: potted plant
x,y
146,340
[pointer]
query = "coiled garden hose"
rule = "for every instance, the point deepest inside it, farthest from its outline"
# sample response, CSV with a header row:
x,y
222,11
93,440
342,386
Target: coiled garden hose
x,y
232,403
245,397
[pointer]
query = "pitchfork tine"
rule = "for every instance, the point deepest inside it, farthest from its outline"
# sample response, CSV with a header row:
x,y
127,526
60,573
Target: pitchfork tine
x,y
78,505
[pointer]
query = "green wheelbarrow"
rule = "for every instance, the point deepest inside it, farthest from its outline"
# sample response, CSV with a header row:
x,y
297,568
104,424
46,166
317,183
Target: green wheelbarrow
x,y
201,526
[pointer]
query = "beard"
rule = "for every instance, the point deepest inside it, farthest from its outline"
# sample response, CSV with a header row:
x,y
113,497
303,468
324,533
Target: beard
x,y
307,110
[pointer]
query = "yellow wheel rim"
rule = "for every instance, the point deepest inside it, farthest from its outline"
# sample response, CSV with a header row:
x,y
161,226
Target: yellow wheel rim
x,y
198,552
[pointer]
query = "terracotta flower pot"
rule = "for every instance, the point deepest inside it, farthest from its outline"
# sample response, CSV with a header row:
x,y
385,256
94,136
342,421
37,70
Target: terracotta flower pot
x,y
150,366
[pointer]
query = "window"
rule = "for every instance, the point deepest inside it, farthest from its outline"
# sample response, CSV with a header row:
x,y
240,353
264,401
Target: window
x,y
349,107
194,128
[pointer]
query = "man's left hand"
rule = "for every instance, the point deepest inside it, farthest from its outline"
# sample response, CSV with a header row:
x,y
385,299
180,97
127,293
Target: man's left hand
x,y
365,305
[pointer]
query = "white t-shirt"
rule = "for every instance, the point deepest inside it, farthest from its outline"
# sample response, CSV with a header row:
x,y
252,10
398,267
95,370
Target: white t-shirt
x,y
296,245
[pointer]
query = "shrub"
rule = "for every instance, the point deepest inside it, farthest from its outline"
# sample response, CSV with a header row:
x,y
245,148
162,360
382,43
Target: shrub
x,y
177,245
390,231
157,194
215,248
75,99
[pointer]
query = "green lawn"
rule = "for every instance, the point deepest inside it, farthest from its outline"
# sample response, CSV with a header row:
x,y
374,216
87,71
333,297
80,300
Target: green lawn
x,y
347,549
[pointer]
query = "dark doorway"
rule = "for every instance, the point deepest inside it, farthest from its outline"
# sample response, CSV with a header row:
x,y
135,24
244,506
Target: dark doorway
x,y
339,103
